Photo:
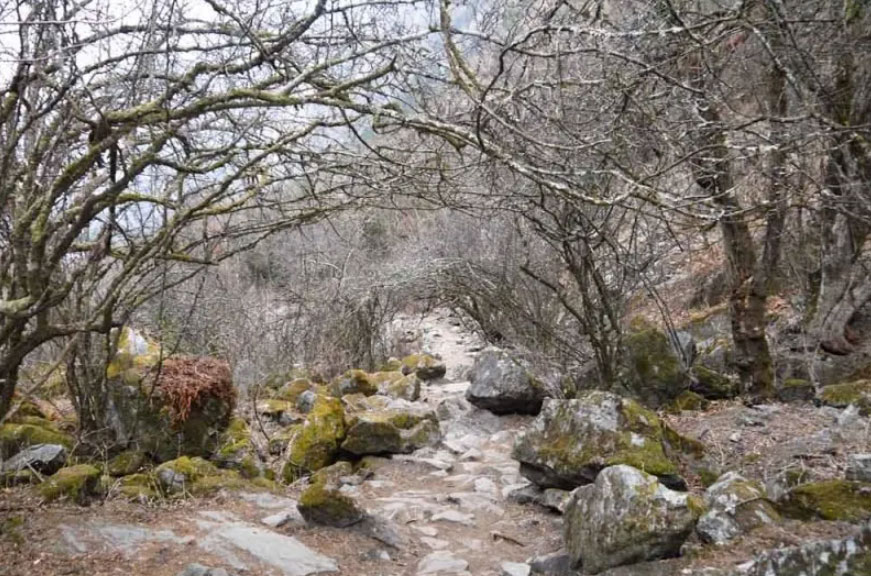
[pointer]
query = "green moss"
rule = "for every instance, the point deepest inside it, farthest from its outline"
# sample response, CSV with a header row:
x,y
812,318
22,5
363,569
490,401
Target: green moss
x,y
125,463
321,504
353,382
391,365
315,444
846,393
696,505
77,483
687,401
28,408
679,444
426,366
653,371
707,476
291,391
14,437
275,408
191,467
829,500
237,430
648,456
713,385
139,487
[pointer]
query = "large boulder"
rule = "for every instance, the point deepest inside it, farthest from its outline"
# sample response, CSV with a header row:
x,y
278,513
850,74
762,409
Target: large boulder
x,y
378,425
735,506
395,384
178,408
652,371
841,395
315,443
237,452
572,440
353,382
502,385
626,516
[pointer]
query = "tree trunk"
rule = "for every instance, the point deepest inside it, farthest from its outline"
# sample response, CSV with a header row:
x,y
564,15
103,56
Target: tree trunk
x,y
747,295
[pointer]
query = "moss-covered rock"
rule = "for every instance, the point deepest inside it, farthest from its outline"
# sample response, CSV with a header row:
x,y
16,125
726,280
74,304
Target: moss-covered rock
x,y
651,371
380,426
126,463
687,401
237,452
316,442
17,436
391,365
624,517
828,500
180,474
323,502
137,487
846,393
77,483
397,385
735,506
572,440
712,385
291,391
353,382
180,409
503,385
426,366
795,390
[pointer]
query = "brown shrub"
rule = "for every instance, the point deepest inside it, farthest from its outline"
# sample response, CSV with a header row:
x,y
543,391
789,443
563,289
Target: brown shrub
x,y
185,382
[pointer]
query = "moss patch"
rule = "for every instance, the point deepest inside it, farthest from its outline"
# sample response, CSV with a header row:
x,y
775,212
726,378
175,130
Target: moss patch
x,y
126,463
316,443
353,382
139,487
829,500
712,385
77,483
291,391
652,371
846,393
321,503
16,436
687,401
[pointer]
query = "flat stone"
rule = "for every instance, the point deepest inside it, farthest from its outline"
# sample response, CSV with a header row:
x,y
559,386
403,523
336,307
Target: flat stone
x,y
515,569
382,529
441,562
290,517
435,543
554,564
200,570
233,539
454,516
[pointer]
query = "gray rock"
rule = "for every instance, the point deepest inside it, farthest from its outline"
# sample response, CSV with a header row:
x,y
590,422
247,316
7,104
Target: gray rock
x,y
571,440
200,570
441,562
685,346
859,467
553,564
602,527
289,517
306,401
44,458
382,529
735,506
515,569
454,516
502,385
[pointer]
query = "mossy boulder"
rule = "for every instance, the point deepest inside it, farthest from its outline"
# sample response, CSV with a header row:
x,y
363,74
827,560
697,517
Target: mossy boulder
x,y
397,385
391,365
571,441
137,487
796,390
425,366
14,437
828,500
179,475
126,463
281,411
712,385
687,402
389,427
291,391
651,372
503,385
844,394
735,506
77,483
353,382
237,452
626,516
315,443
323,501
179,409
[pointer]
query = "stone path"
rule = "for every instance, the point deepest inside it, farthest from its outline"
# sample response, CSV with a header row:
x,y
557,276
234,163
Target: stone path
x,y
441,510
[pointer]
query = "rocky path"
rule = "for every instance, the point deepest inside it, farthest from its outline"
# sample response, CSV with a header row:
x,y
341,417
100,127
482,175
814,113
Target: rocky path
x,y
441,510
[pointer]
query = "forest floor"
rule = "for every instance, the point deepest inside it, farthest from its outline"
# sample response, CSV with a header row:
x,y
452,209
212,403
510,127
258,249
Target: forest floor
x,y
448,506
